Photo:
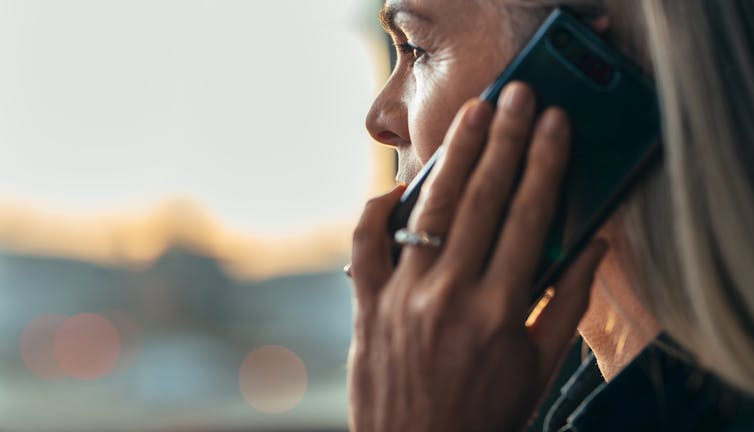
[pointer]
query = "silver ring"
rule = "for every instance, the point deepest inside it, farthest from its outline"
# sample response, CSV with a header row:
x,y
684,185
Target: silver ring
x,y
406,237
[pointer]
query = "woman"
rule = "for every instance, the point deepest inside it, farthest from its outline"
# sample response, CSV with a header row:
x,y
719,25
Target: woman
x,y
663,294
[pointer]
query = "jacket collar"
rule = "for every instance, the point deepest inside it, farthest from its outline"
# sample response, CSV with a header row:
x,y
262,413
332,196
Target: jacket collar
x,y
656,391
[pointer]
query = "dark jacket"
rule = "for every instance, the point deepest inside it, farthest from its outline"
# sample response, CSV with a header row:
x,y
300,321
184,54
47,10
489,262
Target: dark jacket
x,y
656,392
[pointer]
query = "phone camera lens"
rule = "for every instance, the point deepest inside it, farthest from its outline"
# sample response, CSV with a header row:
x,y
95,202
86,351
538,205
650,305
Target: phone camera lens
x,y
597,69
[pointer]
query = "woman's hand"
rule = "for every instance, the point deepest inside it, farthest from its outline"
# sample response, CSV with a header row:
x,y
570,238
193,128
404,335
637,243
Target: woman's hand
x,y
440,342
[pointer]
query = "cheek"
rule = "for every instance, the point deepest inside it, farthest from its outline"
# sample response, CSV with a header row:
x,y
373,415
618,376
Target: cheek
x,y
441,88
436,101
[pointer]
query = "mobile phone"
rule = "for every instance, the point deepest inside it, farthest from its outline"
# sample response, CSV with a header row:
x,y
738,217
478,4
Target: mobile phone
x,y
615,120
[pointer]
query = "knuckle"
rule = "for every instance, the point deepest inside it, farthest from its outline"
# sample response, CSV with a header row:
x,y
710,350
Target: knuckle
x,y
483,192
528,217
362,233
419,303
507,130
372,204
365,227
439,203
435,301
430,300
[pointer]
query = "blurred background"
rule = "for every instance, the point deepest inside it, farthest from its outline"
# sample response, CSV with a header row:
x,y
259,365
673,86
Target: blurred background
x,y
178,184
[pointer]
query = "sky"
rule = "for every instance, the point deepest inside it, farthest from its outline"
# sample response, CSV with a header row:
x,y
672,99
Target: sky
x,y
254,110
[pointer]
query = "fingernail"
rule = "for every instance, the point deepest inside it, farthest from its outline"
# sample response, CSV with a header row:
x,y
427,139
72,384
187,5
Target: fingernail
x,y
516,98
479,115
554,122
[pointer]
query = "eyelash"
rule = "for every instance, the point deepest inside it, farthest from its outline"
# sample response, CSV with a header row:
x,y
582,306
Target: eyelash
x,y
415,53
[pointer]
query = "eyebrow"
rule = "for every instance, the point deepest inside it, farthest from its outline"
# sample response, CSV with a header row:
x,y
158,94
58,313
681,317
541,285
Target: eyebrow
x,y
389,12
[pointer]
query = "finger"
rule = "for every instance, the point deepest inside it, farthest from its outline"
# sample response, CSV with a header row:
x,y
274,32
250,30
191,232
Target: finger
x,y
490,185
371,263
555,327
519,247
439,198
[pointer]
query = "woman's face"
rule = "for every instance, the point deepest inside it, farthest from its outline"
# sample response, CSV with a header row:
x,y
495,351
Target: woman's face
x,y
448,52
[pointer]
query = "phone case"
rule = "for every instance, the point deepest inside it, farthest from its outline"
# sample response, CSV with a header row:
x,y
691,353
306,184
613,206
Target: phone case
x,y
616,124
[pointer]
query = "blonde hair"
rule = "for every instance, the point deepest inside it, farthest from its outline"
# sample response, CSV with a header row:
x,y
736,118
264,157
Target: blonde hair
x,y
689,225
697,256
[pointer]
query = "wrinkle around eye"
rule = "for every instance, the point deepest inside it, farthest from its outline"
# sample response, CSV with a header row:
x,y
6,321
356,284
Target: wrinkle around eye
x,y
433,63
428,79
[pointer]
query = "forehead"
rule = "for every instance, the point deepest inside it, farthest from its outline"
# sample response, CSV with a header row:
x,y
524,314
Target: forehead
x,y
456,19
435,10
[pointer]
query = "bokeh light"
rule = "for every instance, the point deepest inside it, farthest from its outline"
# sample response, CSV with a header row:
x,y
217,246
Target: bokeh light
x,y
273,379
37,346
87,346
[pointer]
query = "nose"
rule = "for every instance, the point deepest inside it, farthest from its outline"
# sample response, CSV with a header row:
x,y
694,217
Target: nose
x,y
387,121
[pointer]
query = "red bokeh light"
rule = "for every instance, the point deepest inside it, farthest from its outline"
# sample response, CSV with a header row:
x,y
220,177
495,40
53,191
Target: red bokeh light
x,y
87,346
273,379
37,346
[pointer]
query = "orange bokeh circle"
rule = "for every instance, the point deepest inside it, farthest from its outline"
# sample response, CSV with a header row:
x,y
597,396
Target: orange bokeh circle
x,y
273,379
37,346
87,346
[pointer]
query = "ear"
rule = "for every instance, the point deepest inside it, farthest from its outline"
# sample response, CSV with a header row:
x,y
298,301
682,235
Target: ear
x,y
600,24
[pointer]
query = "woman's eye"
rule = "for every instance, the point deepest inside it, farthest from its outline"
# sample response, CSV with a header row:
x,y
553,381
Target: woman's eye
x,y
414,52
